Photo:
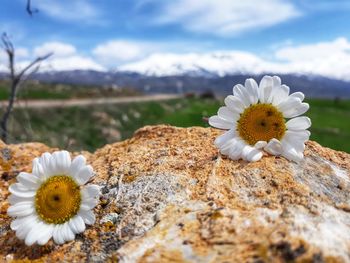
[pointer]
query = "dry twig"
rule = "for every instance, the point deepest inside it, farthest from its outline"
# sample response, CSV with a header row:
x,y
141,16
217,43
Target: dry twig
x,y
15,79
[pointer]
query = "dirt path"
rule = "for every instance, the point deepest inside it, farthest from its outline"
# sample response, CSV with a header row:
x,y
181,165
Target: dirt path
x,y
87,102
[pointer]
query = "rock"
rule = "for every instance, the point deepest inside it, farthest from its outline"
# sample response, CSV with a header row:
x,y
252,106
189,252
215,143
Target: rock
x,y
168,196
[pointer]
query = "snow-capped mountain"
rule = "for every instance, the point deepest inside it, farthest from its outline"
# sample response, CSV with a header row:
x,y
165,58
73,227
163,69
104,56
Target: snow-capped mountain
x,y
198,73
236,62
211,64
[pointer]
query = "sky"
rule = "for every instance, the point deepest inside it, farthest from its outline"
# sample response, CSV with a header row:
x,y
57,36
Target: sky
x,y
300,36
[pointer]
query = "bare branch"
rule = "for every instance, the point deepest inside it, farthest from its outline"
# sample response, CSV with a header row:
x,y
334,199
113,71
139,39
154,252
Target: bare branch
x,y
34,62
6,42
15,79
9,49
29,8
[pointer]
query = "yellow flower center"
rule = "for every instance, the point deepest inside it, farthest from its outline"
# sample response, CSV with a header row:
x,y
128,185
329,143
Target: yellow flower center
x,y
58,199
261,122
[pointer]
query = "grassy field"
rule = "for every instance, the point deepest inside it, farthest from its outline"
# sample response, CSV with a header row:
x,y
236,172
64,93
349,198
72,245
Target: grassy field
x,y
89,128
39,90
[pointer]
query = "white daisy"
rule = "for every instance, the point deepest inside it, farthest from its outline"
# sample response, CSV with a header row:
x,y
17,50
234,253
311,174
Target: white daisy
x,y
52,201
255,117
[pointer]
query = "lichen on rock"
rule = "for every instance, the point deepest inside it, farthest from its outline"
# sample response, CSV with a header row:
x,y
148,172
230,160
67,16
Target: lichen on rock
x,y
169,196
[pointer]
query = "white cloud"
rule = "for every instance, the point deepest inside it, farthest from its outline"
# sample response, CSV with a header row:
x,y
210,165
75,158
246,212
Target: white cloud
x,y
21,52
330,59
2,68
71,63
65,57
120,51
67,63
314,51
117,51
225,17
3,56
58,48
69,10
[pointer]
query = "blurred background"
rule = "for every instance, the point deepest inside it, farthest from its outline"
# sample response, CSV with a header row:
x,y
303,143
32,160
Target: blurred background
x,y
79,74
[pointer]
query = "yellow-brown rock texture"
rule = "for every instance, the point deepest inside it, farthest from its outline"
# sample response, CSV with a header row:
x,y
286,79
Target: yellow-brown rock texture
x,y
169,196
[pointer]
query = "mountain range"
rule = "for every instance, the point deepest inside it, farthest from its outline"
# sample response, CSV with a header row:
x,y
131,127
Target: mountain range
x,y
191,80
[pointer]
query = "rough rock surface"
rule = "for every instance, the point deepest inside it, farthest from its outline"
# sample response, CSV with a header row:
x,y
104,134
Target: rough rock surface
x,y
168,196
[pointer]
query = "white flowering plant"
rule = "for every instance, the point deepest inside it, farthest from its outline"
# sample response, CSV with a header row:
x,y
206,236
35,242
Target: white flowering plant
x,y
53,200
255,120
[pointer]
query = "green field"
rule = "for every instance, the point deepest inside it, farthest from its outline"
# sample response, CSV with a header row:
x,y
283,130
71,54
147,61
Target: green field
x,y
91,127
39,90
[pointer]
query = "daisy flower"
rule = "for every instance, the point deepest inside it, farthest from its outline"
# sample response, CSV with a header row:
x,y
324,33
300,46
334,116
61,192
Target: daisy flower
x,y
255,119
52,201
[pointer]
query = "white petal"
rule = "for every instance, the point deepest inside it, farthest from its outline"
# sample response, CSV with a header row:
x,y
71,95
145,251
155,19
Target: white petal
x,y
18,190
62,162
91,191
15,224
292,155
45,160
21,209
23,230
302,135
21,221
241,92
13,199
77,224
54,165
227,146
280,94
299,95
57,234
252,88
296,141
77,163
274,147
251,154
298,146
255,155
222,139
265,89
260,144
292,107
288,104
29,180
34,233
68,234
236,152
65,160
234,104
219,123
46,234
88,216
38,170
293,112
84,175
226,114
21,187
276,81
298,123
89,203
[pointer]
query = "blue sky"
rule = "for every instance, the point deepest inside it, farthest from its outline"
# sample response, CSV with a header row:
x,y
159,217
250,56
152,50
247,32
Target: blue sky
x,y
112,33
